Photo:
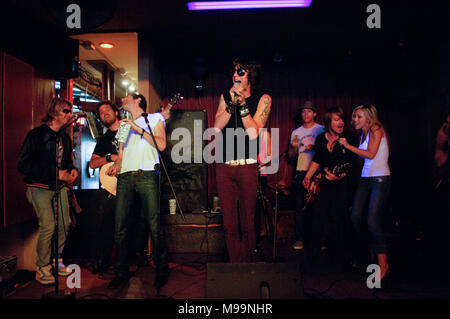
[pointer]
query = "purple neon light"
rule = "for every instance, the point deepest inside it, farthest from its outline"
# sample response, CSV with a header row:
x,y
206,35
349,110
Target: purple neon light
x,y
261,4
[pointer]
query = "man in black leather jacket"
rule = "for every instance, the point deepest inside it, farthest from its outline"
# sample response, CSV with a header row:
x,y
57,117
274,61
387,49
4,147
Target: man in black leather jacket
x,y
45,149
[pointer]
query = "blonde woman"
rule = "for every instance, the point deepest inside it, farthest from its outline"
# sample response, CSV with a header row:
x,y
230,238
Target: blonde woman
x,y
375,178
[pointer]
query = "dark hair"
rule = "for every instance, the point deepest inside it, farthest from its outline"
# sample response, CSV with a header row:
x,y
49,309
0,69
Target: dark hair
x,y
107,102
328,115
111,104
55,105
142,103
254,71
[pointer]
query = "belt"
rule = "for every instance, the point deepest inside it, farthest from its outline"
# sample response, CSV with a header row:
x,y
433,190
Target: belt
x,y
241,162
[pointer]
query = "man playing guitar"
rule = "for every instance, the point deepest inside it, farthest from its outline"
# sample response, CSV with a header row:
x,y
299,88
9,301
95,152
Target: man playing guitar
x,y
105,152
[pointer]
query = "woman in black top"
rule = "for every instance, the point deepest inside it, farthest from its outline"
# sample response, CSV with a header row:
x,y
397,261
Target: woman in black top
x,y
331,209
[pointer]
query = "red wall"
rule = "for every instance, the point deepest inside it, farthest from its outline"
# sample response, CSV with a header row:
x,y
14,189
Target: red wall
x,y
25,94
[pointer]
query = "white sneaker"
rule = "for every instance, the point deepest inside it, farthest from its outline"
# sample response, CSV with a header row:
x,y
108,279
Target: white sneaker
x,y
63,271
44,275
298,245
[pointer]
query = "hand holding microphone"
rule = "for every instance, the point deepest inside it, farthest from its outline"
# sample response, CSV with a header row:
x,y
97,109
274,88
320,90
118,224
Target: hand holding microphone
x,y
343,142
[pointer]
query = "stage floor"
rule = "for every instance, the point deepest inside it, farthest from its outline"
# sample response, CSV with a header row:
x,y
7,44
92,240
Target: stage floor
x,y
321,280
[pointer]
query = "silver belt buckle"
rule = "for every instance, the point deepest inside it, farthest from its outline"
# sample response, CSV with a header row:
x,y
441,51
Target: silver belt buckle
x,y
233,163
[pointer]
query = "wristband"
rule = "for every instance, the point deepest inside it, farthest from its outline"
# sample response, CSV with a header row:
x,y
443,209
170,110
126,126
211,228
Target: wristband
x,y
244,110
108,157
231,108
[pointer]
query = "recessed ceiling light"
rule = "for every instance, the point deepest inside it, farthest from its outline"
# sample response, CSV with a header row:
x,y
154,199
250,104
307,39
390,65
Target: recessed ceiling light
x,y
107,45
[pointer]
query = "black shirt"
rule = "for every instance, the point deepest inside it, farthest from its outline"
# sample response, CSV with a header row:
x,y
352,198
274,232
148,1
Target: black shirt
x,y
236,122
338,156
107,144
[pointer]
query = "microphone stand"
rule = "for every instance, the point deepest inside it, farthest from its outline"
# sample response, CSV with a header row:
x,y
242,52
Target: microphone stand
x,y
276,213
161,160
57,294
275,218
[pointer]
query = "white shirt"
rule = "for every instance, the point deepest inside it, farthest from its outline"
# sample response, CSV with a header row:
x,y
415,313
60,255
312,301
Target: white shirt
x,y
306,136
378,166
138,153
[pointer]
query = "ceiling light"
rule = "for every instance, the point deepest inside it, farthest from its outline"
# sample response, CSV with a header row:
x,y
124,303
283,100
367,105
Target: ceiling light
x,y
125,83
131,88
262,4
107,45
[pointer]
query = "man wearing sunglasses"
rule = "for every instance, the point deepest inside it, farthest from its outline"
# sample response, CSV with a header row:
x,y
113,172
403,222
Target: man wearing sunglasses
x,y
242,112
45,149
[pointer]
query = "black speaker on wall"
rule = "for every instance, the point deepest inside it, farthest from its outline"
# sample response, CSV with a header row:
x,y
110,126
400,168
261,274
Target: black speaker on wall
x,y
254,281
183,157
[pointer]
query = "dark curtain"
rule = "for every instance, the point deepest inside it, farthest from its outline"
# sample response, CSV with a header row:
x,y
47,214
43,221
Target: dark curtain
x,y
288,94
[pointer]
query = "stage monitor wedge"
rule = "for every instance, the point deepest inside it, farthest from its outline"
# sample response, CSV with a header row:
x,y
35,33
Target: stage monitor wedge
x,y
254,281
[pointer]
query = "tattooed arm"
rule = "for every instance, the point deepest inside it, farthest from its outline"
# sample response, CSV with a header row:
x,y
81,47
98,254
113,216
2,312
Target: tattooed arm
x,y
259,120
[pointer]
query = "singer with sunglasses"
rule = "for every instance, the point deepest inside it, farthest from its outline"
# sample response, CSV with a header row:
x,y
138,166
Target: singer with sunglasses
x,y
375,181
243,110
46,148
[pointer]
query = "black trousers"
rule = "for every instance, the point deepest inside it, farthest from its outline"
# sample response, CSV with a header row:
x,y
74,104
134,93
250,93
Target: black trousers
x,y
331,221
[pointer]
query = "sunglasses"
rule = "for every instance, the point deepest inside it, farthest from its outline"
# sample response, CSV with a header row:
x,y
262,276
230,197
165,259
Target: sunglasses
x,y
240,71
66,111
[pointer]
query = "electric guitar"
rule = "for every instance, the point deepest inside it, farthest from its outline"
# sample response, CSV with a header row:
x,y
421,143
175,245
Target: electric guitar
x,y
314,185
110,182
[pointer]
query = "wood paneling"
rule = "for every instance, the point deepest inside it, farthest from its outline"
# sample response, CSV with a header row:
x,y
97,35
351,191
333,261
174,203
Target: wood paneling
x,y
2,214
17,120
26,93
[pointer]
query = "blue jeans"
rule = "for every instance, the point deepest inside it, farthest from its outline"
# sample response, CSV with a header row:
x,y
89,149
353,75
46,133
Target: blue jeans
x,y
299,195
376,191
42,200
145,184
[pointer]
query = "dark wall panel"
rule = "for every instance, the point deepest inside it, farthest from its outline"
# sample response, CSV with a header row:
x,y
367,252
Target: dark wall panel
x,y
18,99
2,213
190,180
26,93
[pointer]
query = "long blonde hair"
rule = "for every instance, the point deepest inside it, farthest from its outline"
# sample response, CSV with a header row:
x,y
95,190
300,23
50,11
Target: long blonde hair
x,y
371,113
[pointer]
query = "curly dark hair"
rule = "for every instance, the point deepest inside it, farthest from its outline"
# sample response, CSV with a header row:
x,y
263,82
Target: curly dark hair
x,y
253,68
110,103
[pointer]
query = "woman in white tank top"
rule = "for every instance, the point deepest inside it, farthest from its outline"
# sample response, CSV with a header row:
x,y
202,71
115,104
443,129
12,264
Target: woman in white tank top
x,y
375,179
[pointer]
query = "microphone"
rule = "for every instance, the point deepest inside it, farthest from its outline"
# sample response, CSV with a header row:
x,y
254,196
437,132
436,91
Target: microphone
x,y
342,146
79,115
235,94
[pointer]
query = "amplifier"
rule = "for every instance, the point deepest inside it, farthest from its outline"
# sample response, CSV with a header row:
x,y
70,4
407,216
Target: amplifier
x,y
8,267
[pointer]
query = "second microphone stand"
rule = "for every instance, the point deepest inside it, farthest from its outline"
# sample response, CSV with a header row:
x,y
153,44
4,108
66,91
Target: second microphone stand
x,y
161,160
